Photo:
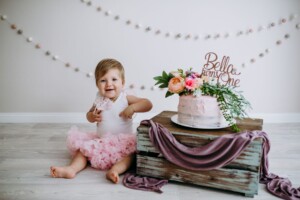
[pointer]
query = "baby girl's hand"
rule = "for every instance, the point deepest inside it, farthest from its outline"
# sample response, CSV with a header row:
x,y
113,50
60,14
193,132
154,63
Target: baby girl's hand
x,y
96,116
127,112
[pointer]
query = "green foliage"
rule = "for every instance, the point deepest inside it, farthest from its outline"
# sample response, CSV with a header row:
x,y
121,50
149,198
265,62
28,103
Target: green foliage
x,y
163,80
232,104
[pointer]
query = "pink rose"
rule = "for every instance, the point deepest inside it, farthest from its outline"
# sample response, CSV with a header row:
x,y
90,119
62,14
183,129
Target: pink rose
x,y
176,85
191,83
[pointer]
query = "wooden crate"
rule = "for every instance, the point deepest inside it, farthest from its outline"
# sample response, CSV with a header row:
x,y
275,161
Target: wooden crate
x,y
241,175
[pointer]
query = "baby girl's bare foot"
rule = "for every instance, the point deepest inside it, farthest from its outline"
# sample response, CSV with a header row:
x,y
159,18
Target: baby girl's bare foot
x,y
113,176
62,172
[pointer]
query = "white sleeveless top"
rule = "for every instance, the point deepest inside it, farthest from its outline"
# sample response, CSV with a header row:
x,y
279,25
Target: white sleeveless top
x,y
111,122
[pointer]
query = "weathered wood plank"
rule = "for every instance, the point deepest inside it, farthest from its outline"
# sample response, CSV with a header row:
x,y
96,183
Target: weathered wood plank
x,y
241,181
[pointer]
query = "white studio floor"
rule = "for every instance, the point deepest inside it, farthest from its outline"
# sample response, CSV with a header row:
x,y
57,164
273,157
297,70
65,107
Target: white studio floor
x,y
28,150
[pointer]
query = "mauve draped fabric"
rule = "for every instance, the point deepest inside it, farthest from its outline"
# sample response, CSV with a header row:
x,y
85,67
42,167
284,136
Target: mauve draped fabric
x,y
216,154
133,181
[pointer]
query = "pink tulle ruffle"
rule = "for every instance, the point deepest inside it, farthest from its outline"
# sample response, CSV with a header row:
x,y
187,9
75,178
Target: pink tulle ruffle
x,y
102,152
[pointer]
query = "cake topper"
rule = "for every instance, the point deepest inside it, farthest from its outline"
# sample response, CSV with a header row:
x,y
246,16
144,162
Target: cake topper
x,y
223,72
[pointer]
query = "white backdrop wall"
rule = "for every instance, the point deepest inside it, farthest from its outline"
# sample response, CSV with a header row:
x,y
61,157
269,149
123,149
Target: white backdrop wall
x,y
32,84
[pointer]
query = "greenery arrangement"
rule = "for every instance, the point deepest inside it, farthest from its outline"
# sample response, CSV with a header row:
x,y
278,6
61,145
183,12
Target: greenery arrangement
x,y
232,103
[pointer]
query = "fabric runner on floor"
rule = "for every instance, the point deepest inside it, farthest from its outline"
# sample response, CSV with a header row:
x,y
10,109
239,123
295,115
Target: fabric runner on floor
x,y
216,154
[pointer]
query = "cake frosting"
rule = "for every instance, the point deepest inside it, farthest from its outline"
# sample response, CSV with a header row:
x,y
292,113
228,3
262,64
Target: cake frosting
x,y
200,111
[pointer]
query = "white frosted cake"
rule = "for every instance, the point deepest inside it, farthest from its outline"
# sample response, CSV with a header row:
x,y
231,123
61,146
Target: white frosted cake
x,y
200,111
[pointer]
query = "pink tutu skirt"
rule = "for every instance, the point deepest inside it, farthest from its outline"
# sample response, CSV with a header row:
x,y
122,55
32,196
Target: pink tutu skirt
x,y
102,152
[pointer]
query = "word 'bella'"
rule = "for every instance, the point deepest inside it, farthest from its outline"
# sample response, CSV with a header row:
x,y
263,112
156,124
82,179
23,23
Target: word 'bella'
x,y
222,71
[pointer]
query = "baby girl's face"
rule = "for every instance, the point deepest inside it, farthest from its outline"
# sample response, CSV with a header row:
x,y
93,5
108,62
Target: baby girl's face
x,y
110,85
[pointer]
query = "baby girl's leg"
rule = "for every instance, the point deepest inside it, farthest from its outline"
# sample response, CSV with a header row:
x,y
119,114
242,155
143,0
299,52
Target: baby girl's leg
x,y
77,164
119,168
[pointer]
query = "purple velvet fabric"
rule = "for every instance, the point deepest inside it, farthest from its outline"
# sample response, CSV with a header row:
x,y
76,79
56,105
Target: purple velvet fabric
x,y
214,155
133,181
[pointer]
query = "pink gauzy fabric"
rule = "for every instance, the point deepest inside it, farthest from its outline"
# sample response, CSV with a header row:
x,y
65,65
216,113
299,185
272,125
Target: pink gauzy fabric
x,y
102,103
102,152
214,155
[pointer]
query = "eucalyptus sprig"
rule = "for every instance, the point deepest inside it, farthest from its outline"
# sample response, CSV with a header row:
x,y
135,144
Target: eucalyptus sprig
x,y
232,103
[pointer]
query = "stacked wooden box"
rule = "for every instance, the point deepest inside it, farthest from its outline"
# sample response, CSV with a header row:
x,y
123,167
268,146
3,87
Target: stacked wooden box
x,y
241,175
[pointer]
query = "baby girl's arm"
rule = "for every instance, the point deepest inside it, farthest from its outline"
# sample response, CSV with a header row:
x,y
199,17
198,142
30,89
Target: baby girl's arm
x,y
94,115
136,104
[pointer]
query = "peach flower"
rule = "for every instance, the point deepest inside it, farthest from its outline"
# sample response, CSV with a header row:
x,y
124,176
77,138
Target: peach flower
x,y
205,79
199,82
176,85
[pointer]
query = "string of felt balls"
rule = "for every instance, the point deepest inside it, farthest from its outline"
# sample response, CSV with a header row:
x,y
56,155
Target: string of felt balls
x,y
48,53
188,36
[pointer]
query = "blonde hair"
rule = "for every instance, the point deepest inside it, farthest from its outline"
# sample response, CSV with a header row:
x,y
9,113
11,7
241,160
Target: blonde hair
x,y
107,64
